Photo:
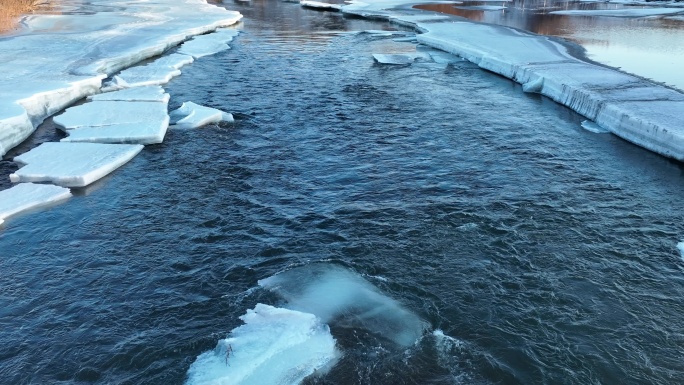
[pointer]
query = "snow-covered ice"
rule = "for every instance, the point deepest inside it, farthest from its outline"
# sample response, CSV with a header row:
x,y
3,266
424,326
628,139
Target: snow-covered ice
x,y
192,115
337,295
321,5
137,94
59,59
72,164
208,44
274,346
627,12
29,196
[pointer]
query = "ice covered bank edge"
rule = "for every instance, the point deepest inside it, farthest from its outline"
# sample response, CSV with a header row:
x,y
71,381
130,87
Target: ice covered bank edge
x,y
644,113
45,72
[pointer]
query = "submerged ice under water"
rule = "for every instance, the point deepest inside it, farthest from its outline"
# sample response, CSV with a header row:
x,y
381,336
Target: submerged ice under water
x,y
531,250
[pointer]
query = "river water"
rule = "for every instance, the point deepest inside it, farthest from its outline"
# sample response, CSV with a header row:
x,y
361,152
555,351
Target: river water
x,y
533,251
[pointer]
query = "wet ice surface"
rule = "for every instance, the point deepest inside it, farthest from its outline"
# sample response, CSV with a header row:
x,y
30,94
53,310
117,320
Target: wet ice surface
x,y
27,196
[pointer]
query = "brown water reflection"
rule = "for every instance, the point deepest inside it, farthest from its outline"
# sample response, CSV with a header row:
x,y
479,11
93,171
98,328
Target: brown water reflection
x,y
651,47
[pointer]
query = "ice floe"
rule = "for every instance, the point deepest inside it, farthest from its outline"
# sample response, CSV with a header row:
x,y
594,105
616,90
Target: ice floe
x,y
400,58
208,44
627,12
337,295
680,247
72,164
59,59
113,121
192,115
28,196
321,5
274,346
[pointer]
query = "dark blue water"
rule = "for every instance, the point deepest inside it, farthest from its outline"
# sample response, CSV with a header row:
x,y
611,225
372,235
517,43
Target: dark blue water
x,y
545,254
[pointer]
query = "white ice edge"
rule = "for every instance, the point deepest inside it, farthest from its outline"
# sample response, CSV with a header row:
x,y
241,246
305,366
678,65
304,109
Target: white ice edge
x,y
72,164
47,68
637,110
29,196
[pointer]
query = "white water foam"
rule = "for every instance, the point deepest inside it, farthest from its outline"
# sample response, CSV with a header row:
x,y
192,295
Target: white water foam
x,y
274,346
339,296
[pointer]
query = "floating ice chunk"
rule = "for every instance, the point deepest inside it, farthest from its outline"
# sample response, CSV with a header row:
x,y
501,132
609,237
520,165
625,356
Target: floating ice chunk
x,y
387,33
141,76
320,5
106,113
680,247
208,44
394,59
72,164
191,115
534,86
442,57
593,127
274,346
335,294
627,12
27,196
137,94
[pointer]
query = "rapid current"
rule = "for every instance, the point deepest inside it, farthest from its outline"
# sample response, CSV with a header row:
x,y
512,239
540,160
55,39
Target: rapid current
x,y
482,235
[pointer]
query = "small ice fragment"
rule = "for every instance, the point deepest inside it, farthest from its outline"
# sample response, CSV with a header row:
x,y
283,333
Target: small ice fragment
x,y
274,346
394,59
481,7
534,86
387,33
27,196
137,94
141,76
72,164
191,115
593,127
320,5
442,57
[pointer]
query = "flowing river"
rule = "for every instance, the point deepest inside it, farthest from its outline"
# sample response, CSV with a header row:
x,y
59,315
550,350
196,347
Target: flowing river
x,y
521,247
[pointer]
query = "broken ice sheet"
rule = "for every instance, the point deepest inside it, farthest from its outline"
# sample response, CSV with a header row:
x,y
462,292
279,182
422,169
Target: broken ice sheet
x,y
29,196
72,164
137,94
397,58
208,44
192,115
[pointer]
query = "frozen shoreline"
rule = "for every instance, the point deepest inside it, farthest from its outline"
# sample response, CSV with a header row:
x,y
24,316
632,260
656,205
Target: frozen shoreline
x,y
63,58
637,110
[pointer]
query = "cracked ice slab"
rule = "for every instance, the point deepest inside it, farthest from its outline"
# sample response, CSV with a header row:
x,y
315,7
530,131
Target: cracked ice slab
x,y
112,121
191,115
58,59
208,44
137,94
29,196
72,164
642,112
